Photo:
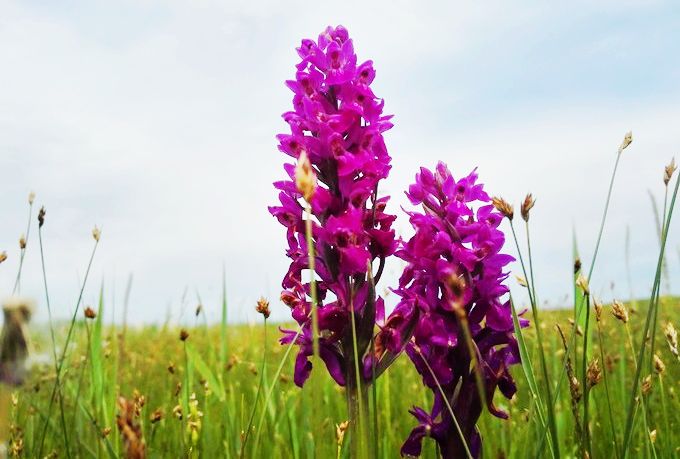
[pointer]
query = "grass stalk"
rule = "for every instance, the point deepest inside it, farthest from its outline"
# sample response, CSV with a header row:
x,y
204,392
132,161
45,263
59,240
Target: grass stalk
x,y
17,282
652,306
552,425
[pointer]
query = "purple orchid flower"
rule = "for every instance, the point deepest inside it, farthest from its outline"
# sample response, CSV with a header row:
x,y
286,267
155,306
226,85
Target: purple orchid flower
x,y
455,269
337,121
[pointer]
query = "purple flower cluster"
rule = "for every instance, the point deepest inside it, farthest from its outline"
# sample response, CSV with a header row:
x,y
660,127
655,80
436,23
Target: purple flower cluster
x,y
454,279
337,121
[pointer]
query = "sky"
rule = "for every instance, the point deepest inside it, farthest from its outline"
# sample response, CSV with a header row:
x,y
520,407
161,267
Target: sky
x,y
156,121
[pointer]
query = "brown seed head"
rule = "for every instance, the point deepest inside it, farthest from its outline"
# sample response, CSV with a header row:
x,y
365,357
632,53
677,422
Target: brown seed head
x,y
305,178
340,430
156,416
672,339
89,313
647,385
598,309
503,207
263,307
41,217
627,140
3,256
171,368
619,311
22,242
668,171
130,429
96,233
659,366
594,373
528,203
183,335
582,283
199,308
577,265
233,361
575,388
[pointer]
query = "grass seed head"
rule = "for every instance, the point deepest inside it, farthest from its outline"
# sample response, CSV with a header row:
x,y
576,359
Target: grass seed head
x,y
89,313
522,281
652,436
96,233
659,366
619,311
340,430
263,307
575,389
627,140
598,309
156,416
671,338
668,171
594,373
22,242
183,335
647,385
503,207
582,283
3,256
577,265
31,197
41,217
527,205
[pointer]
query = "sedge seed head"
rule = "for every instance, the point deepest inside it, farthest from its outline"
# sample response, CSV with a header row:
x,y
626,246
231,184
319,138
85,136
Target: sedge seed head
x,y
503,207
627,140
668,171
527,205
619,311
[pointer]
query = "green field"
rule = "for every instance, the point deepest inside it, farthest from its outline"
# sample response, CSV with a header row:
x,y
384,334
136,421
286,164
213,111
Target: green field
x,y
224,376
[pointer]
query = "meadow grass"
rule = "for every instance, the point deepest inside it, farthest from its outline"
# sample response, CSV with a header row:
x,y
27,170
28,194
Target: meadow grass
x,y
165,374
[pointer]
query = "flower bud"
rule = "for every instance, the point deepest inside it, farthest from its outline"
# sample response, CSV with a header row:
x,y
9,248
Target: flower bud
x,y
305,178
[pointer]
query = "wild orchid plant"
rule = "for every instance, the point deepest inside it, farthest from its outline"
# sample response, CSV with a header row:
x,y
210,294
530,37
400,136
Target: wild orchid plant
x,y
451,319
336,136
463,342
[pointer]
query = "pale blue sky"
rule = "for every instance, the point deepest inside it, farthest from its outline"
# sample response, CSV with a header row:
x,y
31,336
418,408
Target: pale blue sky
x,y
156,121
